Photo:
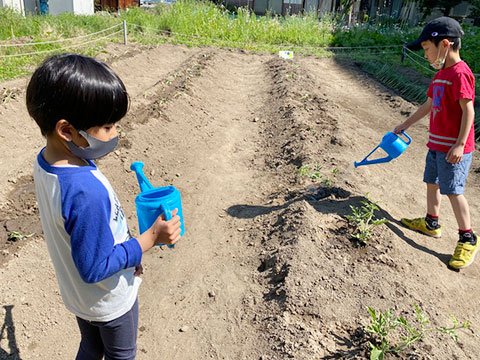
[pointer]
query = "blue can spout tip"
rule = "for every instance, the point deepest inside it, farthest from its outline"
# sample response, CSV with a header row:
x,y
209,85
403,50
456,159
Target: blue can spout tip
x,y
143,182
137,165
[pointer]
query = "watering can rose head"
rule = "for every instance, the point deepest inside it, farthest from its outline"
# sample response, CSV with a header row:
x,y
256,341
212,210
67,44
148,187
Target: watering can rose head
x,y
392,144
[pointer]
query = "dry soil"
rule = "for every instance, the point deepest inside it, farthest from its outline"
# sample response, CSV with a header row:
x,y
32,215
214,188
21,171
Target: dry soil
x,y
267,268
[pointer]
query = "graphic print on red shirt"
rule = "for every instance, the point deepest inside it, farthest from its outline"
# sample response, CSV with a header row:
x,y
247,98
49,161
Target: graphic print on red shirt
x,y
446,89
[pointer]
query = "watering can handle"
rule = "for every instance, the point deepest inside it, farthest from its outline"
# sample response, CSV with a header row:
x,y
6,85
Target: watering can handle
x,y
168,216
145,185
408,137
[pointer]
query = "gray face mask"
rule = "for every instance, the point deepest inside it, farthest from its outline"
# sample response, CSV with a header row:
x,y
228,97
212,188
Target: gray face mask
x,y
96,149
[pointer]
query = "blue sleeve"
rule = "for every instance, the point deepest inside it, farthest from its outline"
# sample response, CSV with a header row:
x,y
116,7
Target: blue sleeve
x,y
86,209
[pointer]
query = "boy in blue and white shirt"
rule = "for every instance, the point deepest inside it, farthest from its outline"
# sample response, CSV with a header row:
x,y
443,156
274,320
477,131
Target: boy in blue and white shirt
x,y
76,101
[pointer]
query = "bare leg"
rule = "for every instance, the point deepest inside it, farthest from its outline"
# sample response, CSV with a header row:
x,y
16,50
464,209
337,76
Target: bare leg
x,y
434,199
461,211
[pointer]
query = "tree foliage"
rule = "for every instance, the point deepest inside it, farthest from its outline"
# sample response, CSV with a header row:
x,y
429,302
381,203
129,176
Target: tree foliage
x,y
445,6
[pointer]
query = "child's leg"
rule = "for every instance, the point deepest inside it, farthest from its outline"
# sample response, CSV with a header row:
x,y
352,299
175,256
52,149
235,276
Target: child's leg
x,y
119,336
461,211
91,346
434,198
452,178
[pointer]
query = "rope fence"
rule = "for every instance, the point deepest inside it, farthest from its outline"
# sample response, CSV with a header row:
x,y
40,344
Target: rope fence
x,y
61,40
377,49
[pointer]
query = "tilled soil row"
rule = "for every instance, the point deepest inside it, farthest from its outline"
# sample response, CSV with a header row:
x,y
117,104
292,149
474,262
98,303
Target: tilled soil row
x,y
320,280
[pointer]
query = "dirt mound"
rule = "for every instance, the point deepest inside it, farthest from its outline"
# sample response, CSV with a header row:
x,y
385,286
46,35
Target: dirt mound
x,y
261,149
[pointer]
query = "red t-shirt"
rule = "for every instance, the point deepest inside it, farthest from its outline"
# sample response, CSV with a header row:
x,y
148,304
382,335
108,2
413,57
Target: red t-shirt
x,y
446,89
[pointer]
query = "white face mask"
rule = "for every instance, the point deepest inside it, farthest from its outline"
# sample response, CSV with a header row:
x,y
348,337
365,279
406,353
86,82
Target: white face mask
x,y
439,63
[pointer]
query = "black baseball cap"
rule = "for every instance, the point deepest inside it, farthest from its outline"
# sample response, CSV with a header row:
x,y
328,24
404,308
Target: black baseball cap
x,y
442,27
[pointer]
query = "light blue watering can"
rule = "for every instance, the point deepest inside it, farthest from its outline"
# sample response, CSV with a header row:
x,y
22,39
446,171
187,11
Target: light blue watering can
x,y
152,202
392,144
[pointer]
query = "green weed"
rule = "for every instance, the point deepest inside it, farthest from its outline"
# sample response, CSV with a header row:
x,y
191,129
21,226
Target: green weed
x,y
14,236
382,325
363,218
304,170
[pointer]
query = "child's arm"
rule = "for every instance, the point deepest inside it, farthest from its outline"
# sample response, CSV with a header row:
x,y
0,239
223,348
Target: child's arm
x,y
97,255
161,232
421,112
455,153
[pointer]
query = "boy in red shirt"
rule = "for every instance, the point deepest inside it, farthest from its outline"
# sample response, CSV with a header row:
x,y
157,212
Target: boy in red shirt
x,y
451,134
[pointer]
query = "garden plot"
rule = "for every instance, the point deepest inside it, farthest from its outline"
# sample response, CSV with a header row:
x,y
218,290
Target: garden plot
x,y
267,269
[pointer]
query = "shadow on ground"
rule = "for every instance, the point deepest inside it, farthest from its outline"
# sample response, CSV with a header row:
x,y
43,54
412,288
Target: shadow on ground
x,y
8,329
328,200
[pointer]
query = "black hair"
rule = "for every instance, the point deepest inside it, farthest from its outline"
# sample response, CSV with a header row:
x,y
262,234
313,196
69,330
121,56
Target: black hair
x,y
80,89
457,42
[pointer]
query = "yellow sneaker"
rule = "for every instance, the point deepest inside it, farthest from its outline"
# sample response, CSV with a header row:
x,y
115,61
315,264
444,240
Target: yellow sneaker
x,y
464,254
419,224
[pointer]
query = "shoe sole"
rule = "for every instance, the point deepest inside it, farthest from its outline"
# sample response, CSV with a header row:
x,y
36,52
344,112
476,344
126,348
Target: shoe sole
x,y
436,236
467,265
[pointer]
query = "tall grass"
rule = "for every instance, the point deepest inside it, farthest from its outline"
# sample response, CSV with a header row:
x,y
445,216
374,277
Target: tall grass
x,y
193,22
201,22
215,24
15,29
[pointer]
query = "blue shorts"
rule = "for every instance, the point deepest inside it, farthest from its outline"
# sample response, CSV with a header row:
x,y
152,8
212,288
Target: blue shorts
x,y
449,177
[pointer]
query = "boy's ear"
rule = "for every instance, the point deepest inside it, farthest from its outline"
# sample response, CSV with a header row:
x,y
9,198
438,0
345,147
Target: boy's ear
x,y
446,43
64,130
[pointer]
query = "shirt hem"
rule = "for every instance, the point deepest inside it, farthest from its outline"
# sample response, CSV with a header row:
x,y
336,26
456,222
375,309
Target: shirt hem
x,y
115,315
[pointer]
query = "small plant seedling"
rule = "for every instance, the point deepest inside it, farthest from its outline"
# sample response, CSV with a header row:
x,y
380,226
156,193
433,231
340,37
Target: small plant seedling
x,y
288,76
381,326
304,170
168,81
364,220
15,236
305,96
316,172
7,95
335,171
327,182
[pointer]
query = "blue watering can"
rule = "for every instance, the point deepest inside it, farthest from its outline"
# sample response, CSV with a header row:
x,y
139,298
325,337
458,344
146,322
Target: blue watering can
x,y
152,202
392,144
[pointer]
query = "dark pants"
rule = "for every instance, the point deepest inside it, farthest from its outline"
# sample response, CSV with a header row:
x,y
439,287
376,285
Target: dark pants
x,y
115,339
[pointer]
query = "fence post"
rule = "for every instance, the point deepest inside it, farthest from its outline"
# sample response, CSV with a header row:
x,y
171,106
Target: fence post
x,y
125,32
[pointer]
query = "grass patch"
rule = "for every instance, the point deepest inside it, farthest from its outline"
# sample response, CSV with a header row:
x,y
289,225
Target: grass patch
x,y
202,23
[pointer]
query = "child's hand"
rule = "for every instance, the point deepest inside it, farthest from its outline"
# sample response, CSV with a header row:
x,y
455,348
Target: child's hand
x,y
161,232
455,154
167,232
402,127
138,270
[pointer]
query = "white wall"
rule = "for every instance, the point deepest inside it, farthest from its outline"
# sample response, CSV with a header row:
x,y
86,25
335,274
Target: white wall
x,y
78,7
83,7
14,4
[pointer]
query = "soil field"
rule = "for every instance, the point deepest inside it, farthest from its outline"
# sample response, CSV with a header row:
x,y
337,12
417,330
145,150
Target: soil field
x,y
267,268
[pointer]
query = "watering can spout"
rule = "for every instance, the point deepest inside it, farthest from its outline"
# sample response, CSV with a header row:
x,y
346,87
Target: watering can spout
x,y
392,144
143,182
371,162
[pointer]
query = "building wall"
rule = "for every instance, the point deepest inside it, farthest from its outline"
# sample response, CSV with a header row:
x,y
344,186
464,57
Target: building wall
x,y
77,7
83,7
14,4
60,6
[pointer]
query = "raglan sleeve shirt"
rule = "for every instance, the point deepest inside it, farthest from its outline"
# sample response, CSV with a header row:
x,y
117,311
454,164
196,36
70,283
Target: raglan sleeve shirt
x,y
88,240
90,220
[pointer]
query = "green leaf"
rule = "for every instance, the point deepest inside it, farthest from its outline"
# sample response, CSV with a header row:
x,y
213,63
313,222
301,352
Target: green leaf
x,y
377,354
